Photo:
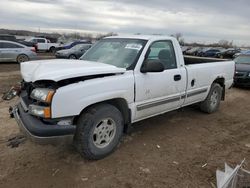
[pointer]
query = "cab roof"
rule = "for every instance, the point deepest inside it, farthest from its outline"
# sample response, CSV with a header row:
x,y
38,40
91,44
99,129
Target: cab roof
x,y
144,37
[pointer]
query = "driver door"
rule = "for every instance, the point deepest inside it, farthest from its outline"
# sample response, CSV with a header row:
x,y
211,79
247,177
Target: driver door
x,y
159,92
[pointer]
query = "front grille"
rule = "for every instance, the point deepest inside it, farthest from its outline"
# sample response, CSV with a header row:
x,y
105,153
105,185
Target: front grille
x,y
241,74
27,87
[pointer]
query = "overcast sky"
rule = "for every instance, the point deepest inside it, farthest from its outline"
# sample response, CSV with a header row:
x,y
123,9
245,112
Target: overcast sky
x,y
197,20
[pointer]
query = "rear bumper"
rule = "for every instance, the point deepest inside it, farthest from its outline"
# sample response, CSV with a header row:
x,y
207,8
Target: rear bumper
x,y
39,131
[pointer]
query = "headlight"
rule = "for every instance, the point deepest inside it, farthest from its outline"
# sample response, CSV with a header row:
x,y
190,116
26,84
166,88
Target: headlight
x,y
249,74
40,111
42,94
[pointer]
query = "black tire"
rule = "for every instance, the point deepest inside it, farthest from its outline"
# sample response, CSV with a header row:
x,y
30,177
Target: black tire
x,y
87,123
52,49
212,102
22,58
72,56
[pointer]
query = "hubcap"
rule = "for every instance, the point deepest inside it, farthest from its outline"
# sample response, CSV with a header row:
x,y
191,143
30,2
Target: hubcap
x,y
214,99
22,59
104,132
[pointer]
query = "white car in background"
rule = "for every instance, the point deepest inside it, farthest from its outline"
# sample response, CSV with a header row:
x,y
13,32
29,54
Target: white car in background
x,y
16,52
44,44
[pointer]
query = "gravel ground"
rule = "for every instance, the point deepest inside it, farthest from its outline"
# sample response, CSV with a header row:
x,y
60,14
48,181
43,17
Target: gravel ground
x,y
179,149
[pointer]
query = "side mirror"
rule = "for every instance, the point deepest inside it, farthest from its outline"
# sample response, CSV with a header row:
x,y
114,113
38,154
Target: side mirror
x,y
152,66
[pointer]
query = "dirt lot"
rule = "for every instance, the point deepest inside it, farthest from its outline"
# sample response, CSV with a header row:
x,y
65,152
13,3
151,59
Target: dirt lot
x,y
179,149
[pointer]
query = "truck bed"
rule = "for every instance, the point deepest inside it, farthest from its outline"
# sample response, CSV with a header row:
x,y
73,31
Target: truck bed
x,y
189,60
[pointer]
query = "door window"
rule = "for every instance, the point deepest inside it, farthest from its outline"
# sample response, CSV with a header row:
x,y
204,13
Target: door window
x,y
40,40
10,45
164,52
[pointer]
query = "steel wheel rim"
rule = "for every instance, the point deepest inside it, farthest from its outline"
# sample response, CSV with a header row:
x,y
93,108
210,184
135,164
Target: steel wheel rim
x,y
104,132
214,99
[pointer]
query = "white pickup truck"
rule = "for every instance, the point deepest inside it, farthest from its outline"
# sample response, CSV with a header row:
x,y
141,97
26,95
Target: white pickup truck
x,y
119,81
44,44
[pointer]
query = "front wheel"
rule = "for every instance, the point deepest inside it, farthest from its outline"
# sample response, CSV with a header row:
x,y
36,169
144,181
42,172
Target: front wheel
x,y
212,102
99,131
72,56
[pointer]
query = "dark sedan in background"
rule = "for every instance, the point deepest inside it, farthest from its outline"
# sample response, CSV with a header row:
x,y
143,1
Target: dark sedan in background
x,y
209,53
242,71
228,53
73,53
72,44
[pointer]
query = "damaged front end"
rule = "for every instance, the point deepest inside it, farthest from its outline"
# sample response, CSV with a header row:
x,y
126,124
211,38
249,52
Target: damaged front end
x,y
12,92
33,113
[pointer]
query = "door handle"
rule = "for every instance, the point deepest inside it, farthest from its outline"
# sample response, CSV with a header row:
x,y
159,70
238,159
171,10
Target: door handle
x,y
177,77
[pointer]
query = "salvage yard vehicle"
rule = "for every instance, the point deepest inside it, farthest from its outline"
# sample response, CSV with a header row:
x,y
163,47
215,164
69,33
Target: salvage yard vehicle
x,y
227,53
14,39
16,52
73,53
119,81
72,44
209,53
44,44
242,71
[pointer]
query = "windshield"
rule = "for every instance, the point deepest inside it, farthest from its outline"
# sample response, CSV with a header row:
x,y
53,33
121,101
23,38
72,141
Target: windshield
x,y
242,60
119,52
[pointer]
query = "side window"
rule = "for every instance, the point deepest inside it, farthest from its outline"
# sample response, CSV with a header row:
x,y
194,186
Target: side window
x,y
10,45
164,52
1,45
40,40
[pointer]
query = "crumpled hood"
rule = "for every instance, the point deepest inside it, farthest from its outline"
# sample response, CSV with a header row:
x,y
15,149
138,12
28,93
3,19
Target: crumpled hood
x,y
58,69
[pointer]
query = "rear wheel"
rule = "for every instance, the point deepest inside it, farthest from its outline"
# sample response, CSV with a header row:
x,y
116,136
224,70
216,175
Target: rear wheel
x,y
212,102
52,49
99,131
22,58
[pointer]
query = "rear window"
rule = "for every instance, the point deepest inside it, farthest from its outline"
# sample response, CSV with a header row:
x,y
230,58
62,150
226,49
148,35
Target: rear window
x,y
40,40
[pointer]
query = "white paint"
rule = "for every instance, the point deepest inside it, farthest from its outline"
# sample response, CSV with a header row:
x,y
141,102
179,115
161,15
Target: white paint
x,y
70,100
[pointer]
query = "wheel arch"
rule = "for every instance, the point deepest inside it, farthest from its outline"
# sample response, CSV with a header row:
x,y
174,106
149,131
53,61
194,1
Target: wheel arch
x,y
120,103
71,55
20,55
221,82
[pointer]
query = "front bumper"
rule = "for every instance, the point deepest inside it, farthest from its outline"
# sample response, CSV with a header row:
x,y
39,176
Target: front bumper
x,y
244,82
61,56
40,132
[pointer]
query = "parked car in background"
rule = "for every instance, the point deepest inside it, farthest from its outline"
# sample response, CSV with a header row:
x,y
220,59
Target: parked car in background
x,y
14,39
184,49
242,70
44,44
209,53
242,52
227,53
16,52
193,51
73,53
71,44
